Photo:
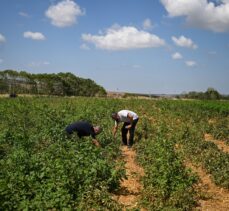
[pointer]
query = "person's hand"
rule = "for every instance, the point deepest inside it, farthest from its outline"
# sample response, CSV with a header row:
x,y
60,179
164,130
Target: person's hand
x,y
128,126
96,143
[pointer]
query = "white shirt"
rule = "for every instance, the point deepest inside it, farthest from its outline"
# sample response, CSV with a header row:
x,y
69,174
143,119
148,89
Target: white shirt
x,y
123,116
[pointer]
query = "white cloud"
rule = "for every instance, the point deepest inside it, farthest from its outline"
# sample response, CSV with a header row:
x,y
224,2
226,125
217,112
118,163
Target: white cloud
x,y
184,42
2,39
124,38
191,63
64,14
147,24
34,35
23,14
84,47
177,56
201,13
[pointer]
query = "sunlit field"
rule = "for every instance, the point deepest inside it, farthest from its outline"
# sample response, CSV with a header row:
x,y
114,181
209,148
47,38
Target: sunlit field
x,y
41,168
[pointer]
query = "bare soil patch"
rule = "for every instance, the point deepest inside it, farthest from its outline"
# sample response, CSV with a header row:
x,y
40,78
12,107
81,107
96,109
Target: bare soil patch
x,y
212,121
217,198
220,144
129,193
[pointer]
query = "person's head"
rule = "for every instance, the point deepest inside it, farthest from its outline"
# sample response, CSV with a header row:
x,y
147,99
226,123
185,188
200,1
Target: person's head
x,y
115,116
97,129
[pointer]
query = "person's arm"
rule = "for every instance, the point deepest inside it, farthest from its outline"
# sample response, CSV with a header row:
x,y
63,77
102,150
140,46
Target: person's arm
x,y
94,140
130,117
115,128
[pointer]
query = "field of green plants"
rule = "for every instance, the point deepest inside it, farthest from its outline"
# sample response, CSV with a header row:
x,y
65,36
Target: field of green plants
x,y
41,168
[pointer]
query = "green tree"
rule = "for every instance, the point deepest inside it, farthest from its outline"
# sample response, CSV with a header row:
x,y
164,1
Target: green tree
x,y
212,94
48,84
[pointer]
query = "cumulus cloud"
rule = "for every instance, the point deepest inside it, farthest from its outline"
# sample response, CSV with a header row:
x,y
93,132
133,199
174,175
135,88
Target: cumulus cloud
x,y
225,1
147,24
182,41
191,63
201,13
177,56
34,35
64,13
124,38
2,39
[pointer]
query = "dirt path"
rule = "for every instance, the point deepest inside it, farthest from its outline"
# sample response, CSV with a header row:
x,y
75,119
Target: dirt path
x,y
218,198
130,187
221,144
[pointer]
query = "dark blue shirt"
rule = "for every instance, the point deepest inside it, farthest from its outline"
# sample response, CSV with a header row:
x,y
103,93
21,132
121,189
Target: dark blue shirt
x,y
82,128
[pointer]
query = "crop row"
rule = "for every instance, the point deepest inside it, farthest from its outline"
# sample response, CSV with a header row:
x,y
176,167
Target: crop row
x,y
43,169
172,132
168,185
189,132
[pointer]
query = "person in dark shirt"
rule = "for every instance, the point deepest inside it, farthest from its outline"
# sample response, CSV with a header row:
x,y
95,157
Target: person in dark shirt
x,y
84,128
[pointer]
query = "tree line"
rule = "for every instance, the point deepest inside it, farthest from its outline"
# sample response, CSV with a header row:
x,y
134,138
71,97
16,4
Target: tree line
x,y
60,84
210,94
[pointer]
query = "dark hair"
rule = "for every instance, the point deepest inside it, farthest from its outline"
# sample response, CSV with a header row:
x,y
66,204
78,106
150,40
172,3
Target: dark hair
x,y
114,115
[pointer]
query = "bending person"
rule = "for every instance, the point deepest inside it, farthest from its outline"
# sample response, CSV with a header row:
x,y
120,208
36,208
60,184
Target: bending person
x,y
84,128
130,120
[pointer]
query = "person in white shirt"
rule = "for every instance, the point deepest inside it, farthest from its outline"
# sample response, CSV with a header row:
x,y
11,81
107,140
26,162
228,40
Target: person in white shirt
x,y
130,120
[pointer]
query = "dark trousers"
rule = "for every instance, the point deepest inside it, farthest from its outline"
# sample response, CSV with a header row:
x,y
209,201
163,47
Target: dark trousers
x,y
125,131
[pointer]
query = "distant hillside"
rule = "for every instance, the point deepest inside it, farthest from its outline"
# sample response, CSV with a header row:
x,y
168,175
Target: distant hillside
x,y
62,84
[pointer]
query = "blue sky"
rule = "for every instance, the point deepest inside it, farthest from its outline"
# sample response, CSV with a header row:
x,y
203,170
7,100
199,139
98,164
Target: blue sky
x,y
143,46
